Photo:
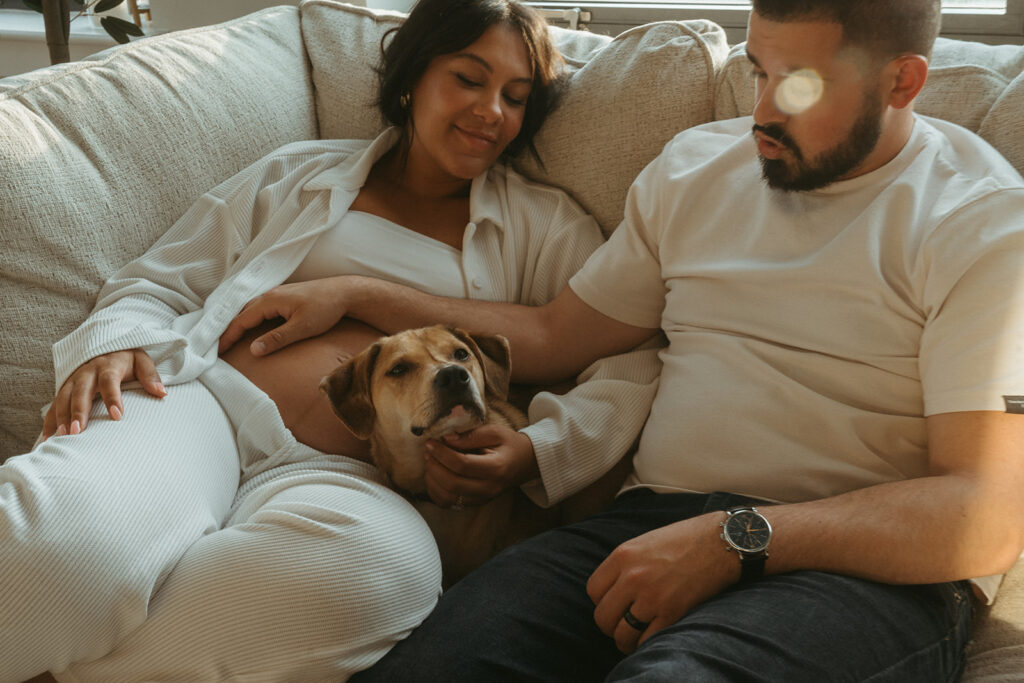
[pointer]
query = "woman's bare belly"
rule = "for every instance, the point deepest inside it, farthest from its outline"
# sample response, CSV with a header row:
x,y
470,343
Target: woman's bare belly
x,y
291,378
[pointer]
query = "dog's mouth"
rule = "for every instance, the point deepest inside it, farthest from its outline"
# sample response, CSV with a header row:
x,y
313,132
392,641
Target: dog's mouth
x,y
460,417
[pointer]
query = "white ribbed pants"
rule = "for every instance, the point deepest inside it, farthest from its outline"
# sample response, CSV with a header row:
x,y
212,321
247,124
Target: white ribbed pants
x,y
136,552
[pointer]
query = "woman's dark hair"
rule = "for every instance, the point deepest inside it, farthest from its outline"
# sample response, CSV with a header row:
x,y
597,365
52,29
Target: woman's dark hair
x,y
441,27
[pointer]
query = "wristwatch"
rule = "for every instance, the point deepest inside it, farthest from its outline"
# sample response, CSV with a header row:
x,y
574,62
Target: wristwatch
x,y
748,532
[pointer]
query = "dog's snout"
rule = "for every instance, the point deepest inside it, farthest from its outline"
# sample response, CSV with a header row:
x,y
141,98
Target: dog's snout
x,y
451,377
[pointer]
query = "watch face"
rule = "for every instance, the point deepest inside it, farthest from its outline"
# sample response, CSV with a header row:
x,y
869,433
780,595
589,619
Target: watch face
x,y
748,531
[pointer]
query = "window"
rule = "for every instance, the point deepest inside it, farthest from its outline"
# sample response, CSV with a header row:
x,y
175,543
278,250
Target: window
x,y
993,21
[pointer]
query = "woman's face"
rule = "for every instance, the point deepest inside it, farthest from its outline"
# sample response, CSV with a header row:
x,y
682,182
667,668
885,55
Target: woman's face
x,y
469,105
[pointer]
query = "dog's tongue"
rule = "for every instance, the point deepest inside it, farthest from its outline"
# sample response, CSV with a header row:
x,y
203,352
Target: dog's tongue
x,y
458,411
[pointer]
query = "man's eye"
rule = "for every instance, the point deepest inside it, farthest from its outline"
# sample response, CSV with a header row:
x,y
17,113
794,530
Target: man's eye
x,y
397,370
461,354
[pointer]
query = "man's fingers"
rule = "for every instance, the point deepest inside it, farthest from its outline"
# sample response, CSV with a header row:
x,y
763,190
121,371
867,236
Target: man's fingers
x,y
293,329
250,317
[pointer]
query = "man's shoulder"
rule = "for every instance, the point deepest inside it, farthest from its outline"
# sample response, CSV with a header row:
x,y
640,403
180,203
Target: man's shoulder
x,y
709,140
964,157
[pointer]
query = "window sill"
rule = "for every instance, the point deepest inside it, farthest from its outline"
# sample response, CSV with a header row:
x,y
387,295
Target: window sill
x,y
23,41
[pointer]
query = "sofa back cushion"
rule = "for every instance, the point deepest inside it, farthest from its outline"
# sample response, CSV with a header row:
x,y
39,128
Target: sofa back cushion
x,y
101,156
627,96
977,86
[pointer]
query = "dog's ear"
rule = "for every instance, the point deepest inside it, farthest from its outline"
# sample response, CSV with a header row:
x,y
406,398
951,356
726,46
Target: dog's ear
x,y
495,358
348,389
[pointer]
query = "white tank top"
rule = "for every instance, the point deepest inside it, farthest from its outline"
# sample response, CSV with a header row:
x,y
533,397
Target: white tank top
x,y
364,244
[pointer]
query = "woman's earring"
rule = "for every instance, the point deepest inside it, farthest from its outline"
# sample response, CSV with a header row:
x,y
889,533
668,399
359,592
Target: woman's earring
x,y
404,101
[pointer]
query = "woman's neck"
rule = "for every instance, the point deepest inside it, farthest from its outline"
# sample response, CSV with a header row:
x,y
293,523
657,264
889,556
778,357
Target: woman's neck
x,y
420,181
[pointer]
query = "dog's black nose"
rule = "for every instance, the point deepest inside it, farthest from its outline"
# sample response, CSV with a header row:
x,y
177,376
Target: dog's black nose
x,y
451,377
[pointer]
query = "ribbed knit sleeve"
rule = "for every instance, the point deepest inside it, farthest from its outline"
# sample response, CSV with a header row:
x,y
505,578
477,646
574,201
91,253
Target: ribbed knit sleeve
x,y
240,239
580,435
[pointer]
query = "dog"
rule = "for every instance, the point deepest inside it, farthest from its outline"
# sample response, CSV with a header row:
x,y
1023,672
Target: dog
x,y
422,384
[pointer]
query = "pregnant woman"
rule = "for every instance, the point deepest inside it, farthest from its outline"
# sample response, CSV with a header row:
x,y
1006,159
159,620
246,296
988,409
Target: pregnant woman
x,y
208,518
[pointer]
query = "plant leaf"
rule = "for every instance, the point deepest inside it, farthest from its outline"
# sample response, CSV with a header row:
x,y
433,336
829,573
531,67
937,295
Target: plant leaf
x,y
36,5
106,5
119,29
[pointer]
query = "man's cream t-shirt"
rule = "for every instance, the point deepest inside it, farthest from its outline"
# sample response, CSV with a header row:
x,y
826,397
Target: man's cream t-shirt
x,y
810,333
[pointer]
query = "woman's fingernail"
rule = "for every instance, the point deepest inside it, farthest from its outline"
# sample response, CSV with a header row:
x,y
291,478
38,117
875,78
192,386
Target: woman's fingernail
x,y
115,412
76,427
161,388
61,431
258,348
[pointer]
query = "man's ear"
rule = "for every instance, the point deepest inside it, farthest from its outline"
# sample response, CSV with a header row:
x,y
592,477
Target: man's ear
x,y
492,351
907,76
348,389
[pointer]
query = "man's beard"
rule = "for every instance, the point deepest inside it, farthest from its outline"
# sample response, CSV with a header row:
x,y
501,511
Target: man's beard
x,y
799,175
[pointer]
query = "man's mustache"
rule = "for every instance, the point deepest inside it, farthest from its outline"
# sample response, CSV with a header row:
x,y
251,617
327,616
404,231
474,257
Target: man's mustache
x,y
779,136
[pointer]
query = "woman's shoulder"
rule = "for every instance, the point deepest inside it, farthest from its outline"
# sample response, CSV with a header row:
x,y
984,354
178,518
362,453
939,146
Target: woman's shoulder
x,y
517,186
312,148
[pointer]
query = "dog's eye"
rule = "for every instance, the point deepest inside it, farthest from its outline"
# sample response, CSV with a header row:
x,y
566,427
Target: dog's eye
x,y
460,354
398,370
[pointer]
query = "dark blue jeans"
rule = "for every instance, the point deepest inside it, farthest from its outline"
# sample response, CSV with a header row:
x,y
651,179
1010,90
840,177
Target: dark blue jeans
x,y
525,616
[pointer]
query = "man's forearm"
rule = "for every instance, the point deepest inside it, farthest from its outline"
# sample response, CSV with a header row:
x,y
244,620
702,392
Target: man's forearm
x,y
923,530
392,308
549,343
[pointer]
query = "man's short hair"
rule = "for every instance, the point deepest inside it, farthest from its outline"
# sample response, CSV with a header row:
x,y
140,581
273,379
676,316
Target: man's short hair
x,y
886,29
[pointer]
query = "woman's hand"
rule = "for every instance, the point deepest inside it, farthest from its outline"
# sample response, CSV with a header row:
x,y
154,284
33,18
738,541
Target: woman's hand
x,y
69,413
489,461
308,308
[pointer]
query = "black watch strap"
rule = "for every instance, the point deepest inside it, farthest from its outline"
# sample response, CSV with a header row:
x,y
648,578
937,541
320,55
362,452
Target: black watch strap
x,y
752,567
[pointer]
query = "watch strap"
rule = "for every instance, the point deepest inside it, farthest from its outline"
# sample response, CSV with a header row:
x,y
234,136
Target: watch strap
x,y
752,566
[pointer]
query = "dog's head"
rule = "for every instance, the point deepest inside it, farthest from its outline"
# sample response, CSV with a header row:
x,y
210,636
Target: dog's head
x,y
417,385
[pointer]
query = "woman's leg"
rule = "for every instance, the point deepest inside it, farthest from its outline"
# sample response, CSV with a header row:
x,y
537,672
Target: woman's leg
x,y
320,570
91,524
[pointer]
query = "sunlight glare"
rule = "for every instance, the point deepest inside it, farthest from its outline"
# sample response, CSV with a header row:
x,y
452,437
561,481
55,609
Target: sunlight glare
x,y
799,91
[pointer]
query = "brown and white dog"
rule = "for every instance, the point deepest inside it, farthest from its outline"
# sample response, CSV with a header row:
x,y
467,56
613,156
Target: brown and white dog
x,y
421,384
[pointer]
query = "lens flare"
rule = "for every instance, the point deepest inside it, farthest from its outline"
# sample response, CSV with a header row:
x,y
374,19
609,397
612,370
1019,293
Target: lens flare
x,y
798,91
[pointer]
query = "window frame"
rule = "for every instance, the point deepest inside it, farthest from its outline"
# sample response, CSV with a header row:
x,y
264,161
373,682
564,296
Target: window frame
x,y
611,17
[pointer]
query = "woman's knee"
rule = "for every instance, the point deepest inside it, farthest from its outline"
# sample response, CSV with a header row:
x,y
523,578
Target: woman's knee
x,y
373,557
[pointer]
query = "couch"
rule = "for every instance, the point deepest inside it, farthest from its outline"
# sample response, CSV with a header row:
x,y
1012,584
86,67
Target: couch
x,y
100,156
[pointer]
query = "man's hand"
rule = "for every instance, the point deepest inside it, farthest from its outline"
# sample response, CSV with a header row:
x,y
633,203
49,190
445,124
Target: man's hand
x,y
488,461
308,308
659,577
69,412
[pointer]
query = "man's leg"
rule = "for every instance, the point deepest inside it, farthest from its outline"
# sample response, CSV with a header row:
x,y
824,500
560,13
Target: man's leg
x,y
525,615
814,627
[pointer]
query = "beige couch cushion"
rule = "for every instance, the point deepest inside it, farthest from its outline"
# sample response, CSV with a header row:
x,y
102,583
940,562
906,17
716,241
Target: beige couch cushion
x,y
627,96
1003,126
996,653
106,153
971,84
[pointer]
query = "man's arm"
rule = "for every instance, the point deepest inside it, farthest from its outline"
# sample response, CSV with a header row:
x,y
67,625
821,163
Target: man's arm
x,y
966,519
549,343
